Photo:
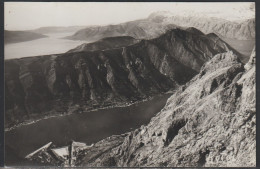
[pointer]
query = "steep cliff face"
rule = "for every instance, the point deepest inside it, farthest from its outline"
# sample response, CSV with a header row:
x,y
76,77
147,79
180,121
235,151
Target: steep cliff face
x,y
79,81
210,122
251,61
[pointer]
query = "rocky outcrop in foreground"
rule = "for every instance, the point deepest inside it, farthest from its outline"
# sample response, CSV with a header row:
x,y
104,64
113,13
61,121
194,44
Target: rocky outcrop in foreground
x,y
41,86
209,122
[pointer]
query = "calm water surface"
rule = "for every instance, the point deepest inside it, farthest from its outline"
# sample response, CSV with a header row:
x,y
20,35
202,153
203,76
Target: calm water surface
x,y
53,44
88,127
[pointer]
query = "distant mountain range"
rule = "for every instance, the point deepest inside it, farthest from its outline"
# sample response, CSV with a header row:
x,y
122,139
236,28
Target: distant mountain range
x,y
158,23
20,36
53,84
243,30
139,29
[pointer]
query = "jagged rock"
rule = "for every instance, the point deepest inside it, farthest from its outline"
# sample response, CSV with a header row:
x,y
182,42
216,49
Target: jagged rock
x,y
251,61
49,85
210,122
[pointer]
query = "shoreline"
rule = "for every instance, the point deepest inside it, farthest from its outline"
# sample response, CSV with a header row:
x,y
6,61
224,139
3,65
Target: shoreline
x,y
26,123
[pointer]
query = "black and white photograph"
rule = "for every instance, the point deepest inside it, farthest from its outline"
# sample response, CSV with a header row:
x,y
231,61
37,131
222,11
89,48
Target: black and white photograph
x,y
129,84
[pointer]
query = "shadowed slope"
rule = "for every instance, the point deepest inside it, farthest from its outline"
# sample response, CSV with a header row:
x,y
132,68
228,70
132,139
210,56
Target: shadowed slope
x,y
208,122
74,82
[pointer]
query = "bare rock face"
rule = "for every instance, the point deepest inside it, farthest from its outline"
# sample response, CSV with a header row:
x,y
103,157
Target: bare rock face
x,y
83,80
251,61
209,122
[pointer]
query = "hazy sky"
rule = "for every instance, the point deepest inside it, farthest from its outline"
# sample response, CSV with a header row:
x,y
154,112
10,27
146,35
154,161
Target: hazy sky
x,y
31,15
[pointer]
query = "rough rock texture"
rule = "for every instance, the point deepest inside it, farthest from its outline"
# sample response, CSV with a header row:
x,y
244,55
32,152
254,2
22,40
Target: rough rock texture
x,y
251,61
20,36
158,23
76,82
210,122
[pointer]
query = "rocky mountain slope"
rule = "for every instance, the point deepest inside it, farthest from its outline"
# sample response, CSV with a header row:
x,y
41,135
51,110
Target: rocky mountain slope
x,y
106,43
208,122
244,30
158,23
41,86
20,36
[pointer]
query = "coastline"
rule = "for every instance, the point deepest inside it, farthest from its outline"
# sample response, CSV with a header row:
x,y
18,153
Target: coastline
x,y
127,104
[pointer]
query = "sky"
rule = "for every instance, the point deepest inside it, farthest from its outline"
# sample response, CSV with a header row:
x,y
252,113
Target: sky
x,y
32,15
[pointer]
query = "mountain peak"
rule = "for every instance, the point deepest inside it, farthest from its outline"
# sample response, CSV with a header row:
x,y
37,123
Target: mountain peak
x,y
220,61
194,30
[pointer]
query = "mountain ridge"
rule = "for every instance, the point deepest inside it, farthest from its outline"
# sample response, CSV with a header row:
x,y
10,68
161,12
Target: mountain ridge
x,y
44,85
106,43
208,122
157,24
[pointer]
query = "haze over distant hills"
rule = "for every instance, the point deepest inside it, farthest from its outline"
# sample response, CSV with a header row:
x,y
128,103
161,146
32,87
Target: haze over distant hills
x,y
20,36
242,29
57,29
236,27
19,16
159,22
139,29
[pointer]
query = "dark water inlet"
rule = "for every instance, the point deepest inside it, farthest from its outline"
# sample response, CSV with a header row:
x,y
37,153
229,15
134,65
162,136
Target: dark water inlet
x,y
88,127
